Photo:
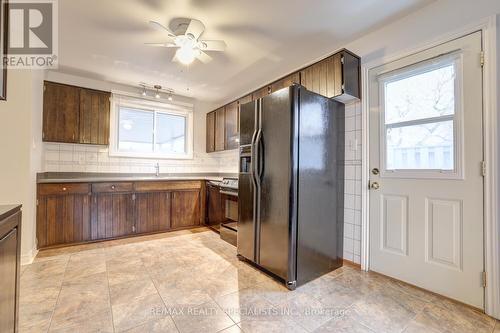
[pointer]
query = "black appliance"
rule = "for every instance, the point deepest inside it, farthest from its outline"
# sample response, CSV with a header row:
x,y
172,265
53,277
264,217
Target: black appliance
x,y
291,184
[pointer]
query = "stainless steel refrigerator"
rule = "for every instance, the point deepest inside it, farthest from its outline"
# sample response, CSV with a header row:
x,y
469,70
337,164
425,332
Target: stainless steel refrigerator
x,y
291,184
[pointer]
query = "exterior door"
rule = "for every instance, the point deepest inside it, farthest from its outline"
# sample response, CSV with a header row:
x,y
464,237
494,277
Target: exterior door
x,y
426,153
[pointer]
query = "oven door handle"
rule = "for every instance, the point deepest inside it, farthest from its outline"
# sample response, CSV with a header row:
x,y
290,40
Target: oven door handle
x,y
234,194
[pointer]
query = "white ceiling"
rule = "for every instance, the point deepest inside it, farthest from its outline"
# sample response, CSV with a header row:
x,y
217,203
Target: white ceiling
x,y
265,39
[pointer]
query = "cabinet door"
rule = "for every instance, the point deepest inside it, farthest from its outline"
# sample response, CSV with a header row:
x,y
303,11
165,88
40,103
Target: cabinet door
x,y
112,215
61,104
94,117
231,126
210,132
8,281
152,212
261,92
186,207
63,219
286,82
324,77
219,129
215,207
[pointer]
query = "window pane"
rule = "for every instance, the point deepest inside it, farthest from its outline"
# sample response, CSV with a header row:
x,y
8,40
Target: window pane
x,y
170,134
425,95
427,146
135,133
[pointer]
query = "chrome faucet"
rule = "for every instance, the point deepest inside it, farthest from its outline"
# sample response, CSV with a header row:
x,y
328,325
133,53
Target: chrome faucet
x,y
157,168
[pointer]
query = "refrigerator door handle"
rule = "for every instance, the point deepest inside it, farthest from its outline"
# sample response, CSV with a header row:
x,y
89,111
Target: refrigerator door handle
x,y
258,155
260,158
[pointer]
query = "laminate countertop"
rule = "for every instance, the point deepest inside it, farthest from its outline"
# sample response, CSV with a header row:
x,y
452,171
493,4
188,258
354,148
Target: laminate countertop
x,y
7,210
78,177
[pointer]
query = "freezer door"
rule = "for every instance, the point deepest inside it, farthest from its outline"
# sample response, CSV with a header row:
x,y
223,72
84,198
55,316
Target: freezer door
x,y
321,186
246,184
274,150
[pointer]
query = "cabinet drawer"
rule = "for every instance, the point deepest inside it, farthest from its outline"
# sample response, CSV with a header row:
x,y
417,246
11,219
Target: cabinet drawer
x,y
149,186
112,187
65,188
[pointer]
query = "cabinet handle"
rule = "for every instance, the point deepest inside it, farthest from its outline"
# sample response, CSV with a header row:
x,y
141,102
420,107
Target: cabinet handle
x,y
112,187
64,188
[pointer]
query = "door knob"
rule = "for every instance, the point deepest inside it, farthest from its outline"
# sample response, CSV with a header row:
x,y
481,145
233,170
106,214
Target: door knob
x,y
374,185
375,171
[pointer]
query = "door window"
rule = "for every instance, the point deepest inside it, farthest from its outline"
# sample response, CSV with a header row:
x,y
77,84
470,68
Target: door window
x,y
420,119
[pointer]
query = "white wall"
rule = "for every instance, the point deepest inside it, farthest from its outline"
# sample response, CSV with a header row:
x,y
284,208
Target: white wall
x,y
89,158
20,149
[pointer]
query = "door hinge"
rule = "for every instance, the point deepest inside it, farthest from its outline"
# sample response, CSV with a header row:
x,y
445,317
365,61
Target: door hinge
x,y
483,168
483,278
481,58
133,197
133,228
37,202
342,59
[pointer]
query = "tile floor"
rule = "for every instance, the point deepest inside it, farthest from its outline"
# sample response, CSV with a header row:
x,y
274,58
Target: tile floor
x,y
191,281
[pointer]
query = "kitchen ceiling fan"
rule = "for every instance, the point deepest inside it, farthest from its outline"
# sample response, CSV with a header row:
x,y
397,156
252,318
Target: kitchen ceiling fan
x,y
186,39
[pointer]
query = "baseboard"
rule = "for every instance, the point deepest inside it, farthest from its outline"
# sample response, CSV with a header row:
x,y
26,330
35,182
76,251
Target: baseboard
x,y
28,258
352,264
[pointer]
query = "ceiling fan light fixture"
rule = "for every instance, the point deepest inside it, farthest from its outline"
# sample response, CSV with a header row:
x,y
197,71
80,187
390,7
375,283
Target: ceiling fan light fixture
x,y
170,97
185,55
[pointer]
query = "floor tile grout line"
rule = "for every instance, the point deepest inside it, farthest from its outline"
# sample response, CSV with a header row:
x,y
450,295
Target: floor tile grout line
x,y
161,297
109,294
58,294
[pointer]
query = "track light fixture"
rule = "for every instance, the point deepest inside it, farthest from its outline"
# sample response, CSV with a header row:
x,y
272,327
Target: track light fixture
x,y
158,90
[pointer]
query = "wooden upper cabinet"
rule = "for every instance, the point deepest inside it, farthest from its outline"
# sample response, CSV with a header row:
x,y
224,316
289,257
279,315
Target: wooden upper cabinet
x,y
264,91
75,115
286,82
219,129
94,117
231,124
337,77
210,143
321,78
61,105
334,77
244,100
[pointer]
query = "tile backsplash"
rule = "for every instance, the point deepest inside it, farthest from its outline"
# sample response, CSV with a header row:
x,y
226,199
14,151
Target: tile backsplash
x,y
352,191
62,157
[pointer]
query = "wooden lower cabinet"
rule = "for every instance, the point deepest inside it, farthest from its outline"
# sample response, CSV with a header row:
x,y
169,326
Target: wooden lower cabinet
x,y
63,215
78,213
112,215
186,208
10,268
152,212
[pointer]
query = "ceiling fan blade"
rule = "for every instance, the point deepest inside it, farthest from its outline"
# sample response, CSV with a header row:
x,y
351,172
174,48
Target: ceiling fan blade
x,y
203,57
162,28
161,44
212,45
195,29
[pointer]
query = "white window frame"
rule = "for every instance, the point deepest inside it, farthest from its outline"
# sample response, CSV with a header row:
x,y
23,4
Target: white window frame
x,y
148,105
458,172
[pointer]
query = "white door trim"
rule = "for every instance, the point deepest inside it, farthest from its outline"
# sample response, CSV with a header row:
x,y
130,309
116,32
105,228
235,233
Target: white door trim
x,y
491,146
